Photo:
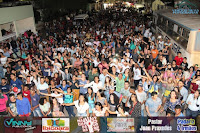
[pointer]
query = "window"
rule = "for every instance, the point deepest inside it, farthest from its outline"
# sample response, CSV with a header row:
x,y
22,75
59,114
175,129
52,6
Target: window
x,y
197,46
186,33
170,25
179,30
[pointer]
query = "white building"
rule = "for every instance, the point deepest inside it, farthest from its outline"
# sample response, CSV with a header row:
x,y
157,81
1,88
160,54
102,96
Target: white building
x,y
15,21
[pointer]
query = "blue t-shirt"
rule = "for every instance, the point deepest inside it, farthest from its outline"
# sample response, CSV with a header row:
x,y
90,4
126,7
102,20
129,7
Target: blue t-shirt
x,y
83,90
153,105
62,87
5,88
23,106
16,83
44,71
35,100
181,115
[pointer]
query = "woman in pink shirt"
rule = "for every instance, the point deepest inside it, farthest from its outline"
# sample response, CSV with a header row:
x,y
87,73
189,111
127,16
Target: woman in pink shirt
x,y
77,62
3,101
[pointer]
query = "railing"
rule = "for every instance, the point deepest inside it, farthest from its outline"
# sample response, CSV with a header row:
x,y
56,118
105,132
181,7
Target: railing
x,y
12,4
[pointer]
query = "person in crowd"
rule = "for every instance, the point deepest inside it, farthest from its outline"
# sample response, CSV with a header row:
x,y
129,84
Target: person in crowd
x,y
96,85
178,112
45,107
11,105
4,87
141,96
56,108
135,106
98,111
193,104
43,87
126,95
68,98
81,106
91,99
153,104
172,102
100,97
3,101
23,106
113,104
35,98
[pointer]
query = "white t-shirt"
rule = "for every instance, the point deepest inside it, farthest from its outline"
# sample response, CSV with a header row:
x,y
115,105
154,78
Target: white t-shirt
x,y
198,83
60,100
137,73
119,115
43,86
146,34
45,107
94,86
81,108
141,96
3,60
96,63
99,113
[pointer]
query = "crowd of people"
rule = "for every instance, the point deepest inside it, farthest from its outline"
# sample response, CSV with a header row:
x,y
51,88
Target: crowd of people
x,y
111,64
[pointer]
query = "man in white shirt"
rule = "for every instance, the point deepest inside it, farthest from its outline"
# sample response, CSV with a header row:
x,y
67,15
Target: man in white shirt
x,y
103,76
126,95
43,87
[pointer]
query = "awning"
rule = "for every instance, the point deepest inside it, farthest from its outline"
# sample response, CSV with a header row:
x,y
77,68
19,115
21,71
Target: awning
x,y
81,16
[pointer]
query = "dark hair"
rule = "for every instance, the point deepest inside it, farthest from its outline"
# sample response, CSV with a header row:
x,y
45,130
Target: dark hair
x,y
41,101
116,99
130,101
12,74
101,92
19,94
120,106
11,95
126,82
175,93
99,104
178,52
170,112
85,98
154,93
88,93
178,106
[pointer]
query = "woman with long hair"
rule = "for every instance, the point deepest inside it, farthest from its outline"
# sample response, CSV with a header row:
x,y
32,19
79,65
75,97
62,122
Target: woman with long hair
x,y
135,106
113,103
107,86
172,102
101,98
91,99
98,111
56,108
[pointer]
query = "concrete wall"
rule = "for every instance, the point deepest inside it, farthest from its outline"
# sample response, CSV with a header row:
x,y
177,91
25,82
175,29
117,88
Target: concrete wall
x,y
25,24
9,14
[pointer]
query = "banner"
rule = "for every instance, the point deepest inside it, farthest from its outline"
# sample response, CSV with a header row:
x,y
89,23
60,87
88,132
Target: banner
x,y
100,124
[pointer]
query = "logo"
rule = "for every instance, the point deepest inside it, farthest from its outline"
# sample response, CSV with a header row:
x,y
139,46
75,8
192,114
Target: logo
x,y
185,7
120,125
186,125
55,124
10,122
88,124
